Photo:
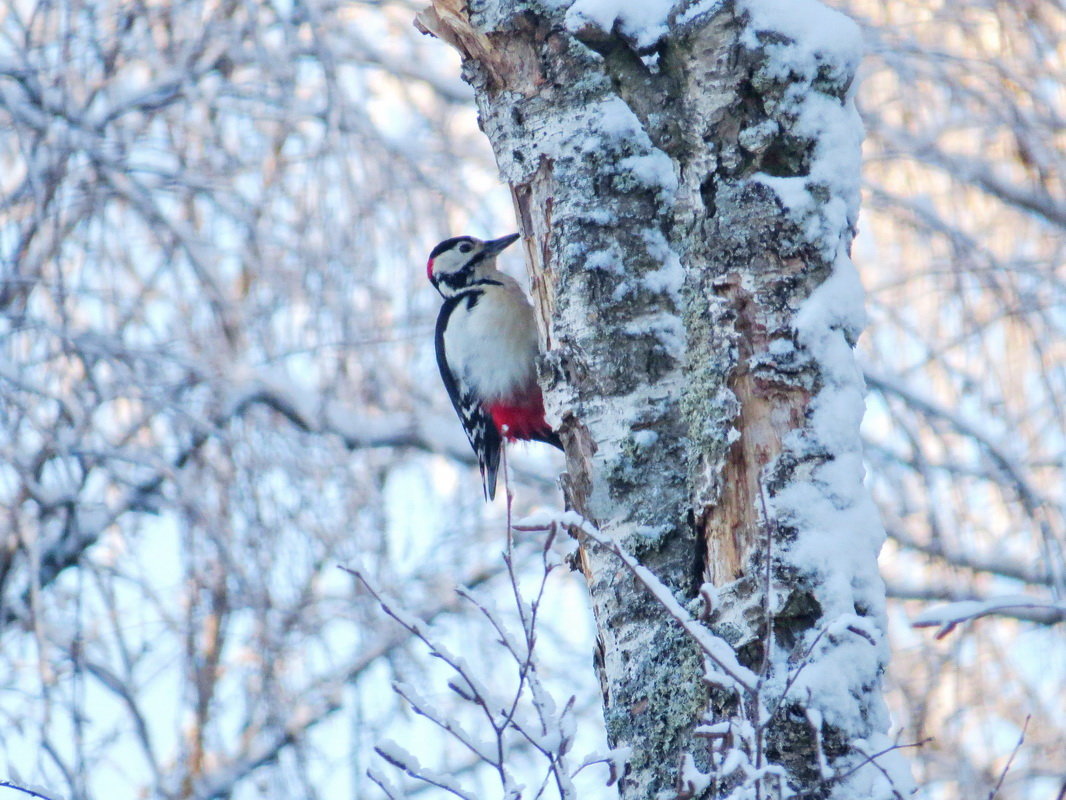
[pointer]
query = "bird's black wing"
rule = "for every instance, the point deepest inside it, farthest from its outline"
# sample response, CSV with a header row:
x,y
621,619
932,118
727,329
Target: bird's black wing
x,y
477,424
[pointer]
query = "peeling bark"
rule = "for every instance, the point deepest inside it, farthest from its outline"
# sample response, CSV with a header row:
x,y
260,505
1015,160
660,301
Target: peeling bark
x,y
670,276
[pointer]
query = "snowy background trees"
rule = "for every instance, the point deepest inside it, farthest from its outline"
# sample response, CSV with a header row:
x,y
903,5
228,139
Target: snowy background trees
x,y
217,385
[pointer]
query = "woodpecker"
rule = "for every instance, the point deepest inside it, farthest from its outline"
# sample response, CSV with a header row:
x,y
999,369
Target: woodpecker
x,y
486,342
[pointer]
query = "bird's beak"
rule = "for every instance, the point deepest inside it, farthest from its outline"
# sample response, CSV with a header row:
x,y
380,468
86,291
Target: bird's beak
x,y
498,245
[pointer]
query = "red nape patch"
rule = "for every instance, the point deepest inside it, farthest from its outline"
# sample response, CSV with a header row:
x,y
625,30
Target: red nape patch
x,y
523,420
429,269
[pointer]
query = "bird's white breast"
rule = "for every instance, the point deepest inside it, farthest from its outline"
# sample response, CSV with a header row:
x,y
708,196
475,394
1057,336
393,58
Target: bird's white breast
x,y
493,346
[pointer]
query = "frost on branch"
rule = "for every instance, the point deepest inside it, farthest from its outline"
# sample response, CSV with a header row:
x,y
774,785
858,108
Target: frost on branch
x,y
526,718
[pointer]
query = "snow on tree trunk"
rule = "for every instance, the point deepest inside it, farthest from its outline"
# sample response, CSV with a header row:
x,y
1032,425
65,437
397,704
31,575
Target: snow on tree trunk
x,y
686,180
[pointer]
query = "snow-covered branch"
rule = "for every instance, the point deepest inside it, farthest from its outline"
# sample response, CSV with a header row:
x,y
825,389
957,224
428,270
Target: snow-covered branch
x,y
529,716
965,606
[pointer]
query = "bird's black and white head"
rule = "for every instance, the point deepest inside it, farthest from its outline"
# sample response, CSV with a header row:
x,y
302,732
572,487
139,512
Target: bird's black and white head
x,y
462,261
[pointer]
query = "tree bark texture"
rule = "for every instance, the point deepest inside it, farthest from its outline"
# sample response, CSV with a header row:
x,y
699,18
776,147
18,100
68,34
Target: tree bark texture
x,y
687,200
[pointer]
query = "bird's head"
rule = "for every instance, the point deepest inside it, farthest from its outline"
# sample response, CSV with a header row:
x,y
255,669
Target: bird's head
x,y
459,262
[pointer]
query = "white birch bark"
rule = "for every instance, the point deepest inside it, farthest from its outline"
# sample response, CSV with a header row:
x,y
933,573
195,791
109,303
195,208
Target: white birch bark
x,y
687,187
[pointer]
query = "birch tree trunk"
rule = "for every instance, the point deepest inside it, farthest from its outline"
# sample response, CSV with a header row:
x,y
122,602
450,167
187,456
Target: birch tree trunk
x,y
686,182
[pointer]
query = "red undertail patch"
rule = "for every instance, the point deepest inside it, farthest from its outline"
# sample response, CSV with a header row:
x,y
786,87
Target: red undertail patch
x,y
524,419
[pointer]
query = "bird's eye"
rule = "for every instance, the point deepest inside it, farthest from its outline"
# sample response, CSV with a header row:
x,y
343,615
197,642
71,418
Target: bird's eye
x,y
465,247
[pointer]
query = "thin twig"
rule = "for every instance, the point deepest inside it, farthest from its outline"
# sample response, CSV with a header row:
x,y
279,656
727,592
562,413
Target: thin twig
x,y
768,642
1014,752
380,781
24,790
871,759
